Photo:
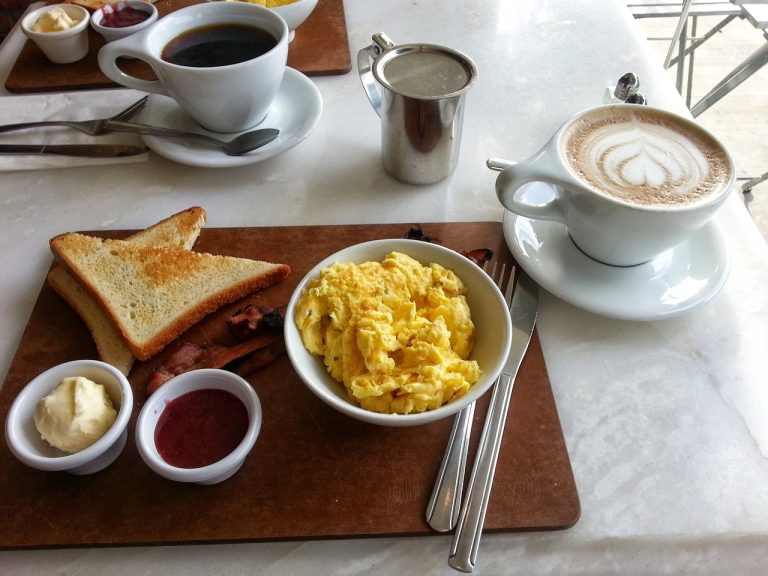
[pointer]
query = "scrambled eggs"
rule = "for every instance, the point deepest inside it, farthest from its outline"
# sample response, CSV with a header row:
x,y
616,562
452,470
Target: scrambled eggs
x,y
397,334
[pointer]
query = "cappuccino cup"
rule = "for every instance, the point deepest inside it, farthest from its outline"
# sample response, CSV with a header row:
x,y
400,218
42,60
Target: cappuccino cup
x,y
222,62
630,182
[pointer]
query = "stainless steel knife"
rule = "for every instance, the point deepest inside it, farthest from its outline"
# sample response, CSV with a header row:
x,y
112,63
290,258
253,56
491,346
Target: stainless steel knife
x,y
85,150
466,540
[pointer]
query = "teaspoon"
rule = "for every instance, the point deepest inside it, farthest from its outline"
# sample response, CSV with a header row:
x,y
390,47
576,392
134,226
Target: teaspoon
x,y
242,144
627,85
238,146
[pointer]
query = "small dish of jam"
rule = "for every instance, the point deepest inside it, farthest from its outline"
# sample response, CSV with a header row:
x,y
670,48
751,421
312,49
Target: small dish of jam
x,y
123,18
199,426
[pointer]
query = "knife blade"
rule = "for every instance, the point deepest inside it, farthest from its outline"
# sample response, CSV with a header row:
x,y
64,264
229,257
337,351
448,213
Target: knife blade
x,y
466,540
85,150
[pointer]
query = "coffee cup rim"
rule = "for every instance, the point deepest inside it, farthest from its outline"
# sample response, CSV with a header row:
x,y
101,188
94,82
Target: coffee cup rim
x,y
708,201
202,7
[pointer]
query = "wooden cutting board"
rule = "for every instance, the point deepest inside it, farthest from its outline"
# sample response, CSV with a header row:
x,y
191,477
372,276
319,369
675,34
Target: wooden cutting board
x,y
321,47
313,472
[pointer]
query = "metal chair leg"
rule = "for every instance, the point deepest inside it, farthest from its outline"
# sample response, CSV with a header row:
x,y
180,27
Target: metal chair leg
x,y
679,32
699,41
689,87
739,74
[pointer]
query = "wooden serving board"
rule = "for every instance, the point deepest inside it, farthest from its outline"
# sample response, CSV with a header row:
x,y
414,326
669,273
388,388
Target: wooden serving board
x,y
321,47
313,473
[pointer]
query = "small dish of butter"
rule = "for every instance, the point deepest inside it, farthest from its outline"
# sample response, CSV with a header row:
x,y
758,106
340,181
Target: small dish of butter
x,y
60,31
72,417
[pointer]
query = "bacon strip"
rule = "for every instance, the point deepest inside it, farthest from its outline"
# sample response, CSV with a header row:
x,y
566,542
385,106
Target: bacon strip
x,y
479,255
261,358
246,322
191,356
416,233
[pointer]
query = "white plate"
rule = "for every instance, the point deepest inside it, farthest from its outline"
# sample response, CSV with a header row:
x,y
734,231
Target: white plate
x,y
295,112
674,283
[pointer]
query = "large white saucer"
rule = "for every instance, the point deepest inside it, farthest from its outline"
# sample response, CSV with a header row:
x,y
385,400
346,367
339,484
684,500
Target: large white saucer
x,y
295,112
674,283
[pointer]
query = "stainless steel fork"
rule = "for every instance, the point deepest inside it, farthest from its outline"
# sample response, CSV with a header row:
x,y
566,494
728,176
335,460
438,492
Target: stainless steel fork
x,y
444,504
90,127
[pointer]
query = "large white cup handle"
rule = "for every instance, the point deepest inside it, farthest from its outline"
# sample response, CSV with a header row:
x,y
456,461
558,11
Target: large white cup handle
x,y
127,47
513,176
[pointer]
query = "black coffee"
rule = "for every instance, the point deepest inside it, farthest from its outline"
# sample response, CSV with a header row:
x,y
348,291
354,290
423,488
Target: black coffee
x,y
218,45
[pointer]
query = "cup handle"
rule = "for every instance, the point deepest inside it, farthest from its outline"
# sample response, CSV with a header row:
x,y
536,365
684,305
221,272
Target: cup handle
x,y
366,57
514,175
107,58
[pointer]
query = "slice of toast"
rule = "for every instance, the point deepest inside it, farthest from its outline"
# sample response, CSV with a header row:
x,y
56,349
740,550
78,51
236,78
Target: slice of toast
x,y
154,294
180,230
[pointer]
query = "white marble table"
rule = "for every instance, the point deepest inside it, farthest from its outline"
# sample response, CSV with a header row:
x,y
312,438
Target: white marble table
x,y
666,422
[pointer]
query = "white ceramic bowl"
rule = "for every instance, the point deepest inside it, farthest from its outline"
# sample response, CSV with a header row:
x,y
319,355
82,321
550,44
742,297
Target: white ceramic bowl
x,y
493,330
188,382
64,46
295,13
25,442
110,33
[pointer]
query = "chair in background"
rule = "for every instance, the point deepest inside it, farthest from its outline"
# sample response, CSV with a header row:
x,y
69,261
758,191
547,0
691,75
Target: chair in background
x,y
685,41
756,13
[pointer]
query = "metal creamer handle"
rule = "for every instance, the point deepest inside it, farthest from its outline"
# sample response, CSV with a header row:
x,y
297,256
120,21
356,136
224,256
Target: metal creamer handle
x,y
365,58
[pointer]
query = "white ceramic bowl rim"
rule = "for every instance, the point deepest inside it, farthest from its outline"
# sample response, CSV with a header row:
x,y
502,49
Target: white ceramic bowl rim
x,y
295,13
298,354
29,20
142,5
206,378
66,461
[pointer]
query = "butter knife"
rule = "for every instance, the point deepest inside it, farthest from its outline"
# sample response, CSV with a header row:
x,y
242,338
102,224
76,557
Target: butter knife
x,y
466,540
85,150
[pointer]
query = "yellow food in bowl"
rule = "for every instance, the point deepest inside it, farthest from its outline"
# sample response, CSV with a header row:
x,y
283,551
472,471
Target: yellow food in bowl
x,y
396,333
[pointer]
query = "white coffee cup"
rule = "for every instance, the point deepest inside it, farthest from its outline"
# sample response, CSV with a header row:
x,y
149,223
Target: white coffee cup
x,y
630,182
223,97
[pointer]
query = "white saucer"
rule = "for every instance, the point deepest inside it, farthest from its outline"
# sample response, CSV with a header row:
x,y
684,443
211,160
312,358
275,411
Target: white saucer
x,y
674,283
295,112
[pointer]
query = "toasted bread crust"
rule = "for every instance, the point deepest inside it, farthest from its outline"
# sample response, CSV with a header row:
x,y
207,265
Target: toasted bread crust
x,y
109,343
153,294
205,307
180,229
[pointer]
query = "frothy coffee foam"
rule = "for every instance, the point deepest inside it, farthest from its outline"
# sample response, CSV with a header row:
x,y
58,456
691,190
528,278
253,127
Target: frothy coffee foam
x,y
642,157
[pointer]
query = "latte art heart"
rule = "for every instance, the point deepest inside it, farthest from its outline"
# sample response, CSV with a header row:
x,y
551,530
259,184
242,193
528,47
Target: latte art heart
x,y
650,157
645,160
